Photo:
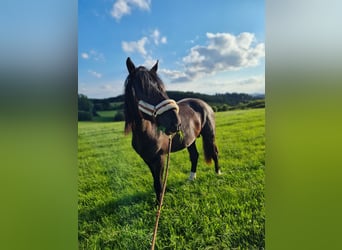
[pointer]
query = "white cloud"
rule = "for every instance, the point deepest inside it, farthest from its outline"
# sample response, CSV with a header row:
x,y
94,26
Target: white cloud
x,y
108,87
101,89
156,37
135,46
175,75
163,39
85,55
124,7
97,56
149,61
223,52
251,85
120,8
95,74
140,45
93,55
248,85
141,4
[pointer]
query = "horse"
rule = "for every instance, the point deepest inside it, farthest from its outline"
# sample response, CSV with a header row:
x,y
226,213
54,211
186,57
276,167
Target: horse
x,y
152,117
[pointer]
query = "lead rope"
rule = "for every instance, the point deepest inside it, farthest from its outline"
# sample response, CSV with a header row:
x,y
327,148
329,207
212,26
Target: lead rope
x,y
162,195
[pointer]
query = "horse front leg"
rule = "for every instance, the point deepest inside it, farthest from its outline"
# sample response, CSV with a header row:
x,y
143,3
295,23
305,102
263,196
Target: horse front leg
x,y
194,159
157,170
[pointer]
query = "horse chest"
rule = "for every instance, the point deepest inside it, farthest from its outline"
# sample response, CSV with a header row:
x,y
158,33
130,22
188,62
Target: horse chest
x,y
145,146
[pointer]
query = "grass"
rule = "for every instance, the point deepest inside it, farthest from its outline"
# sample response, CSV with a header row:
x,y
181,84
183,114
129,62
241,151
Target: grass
x,y
105,116
117,201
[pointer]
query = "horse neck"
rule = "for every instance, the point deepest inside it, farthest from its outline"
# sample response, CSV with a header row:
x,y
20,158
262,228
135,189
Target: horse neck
x,y
143,127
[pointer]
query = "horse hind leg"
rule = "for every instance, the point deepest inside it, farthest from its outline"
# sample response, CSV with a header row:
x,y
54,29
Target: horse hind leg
x,y
215,158
210,148
194,159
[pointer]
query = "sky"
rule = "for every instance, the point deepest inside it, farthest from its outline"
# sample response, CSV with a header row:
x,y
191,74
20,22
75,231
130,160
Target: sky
x,y
208,46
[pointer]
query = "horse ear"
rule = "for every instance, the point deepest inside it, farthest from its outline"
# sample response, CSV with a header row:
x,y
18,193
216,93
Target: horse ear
x,y
155,67
130,65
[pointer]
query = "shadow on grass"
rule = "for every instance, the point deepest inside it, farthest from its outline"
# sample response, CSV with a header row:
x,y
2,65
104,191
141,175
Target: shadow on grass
x,y
114,206
134,204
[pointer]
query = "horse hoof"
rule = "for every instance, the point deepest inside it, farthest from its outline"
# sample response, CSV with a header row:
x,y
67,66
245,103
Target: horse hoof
x,y
219,172
192,176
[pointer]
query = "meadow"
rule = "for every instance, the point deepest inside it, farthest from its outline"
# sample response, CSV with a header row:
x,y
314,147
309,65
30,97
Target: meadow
x,y
116,206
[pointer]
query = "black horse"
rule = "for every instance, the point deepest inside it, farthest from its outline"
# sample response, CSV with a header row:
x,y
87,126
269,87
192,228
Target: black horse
x,y
151,117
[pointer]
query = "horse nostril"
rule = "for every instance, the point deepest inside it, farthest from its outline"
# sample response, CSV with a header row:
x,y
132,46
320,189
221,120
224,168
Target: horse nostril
x,y
178,126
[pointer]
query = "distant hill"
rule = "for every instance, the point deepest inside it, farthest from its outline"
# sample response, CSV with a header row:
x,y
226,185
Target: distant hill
x,y
219,102
231,99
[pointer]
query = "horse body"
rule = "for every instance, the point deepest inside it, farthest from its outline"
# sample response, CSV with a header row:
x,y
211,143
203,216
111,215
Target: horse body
x,y
192,118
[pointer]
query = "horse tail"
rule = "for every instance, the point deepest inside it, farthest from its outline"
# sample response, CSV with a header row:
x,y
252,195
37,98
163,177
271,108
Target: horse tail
x,y
208,137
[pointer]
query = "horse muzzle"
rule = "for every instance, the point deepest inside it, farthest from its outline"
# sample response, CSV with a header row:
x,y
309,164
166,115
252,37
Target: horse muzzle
x,y
173,129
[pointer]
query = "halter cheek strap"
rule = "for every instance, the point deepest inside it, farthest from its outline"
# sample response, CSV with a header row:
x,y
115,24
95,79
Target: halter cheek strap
x,y
159,109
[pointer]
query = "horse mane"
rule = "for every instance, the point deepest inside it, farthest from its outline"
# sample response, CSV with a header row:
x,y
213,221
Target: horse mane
x,y
151,85
128,109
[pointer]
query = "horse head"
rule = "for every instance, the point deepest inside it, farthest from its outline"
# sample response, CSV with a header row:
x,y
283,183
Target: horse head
x,y
146,98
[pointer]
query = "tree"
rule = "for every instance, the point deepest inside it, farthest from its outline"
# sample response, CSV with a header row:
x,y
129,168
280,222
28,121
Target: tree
x,y
119,116
85,108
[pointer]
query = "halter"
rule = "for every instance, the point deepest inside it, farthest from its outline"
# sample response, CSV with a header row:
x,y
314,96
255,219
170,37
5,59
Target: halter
x,y
159,109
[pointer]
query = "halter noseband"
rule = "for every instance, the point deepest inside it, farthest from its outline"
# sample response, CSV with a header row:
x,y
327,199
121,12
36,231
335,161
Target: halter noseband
x,y
159,109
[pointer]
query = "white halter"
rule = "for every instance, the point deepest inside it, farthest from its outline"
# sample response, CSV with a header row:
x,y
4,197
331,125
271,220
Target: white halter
x,y
159,109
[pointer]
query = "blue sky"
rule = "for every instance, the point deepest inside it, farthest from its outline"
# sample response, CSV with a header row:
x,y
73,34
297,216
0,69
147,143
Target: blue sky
x,y
208,46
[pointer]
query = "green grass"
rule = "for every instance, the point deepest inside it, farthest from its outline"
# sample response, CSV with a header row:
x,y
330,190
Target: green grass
x,y
107,113
105,116
117,201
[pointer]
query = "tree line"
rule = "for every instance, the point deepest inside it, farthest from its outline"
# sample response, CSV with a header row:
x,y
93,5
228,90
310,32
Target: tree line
x,y
88,108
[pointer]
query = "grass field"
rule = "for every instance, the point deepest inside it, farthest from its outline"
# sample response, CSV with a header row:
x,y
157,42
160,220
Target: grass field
x,y
105,116
117,202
